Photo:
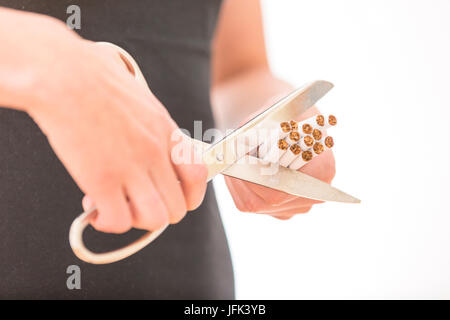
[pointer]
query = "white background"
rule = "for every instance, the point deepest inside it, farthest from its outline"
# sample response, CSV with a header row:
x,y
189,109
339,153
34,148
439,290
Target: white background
x,y
390,63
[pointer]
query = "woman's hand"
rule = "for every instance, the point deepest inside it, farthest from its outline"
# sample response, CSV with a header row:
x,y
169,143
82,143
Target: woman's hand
x,y
250,197
113,136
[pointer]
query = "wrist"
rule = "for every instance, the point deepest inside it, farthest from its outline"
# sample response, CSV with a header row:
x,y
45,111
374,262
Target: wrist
x,y
30,57
51,77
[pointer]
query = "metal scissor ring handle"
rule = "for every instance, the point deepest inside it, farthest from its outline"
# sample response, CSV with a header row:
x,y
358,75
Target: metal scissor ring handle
x,y
83,220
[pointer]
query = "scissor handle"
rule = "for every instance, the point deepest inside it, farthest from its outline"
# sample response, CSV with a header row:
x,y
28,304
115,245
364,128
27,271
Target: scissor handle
x,y
80,250
84,219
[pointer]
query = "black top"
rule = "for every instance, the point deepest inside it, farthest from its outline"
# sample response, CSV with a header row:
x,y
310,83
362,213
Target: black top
x,y
170,40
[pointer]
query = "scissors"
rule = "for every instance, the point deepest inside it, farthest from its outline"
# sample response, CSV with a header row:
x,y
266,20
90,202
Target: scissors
x,y
222,158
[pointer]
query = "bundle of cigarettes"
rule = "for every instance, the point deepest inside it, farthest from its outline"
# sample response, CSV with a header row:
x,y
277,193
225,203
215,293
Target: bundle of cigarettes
x,y
298,142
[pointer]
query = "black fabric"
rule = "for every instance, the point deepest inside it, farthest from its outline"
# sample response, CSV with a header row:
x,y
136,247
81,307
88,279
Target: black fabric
x,y
38,199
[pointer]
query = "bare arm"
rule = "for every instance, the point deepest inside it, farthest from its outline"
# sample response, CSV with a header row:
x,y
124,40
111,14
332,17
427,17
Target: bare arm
x,y
32,47
242,80
110,132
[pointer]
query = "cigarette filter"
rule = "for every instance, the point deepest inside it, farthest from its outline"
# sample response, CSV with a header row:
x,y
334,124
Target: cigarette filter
x,y
307,155
277,151
307,128
306,142
281,132
318,148
285,127
320,120
293,137
294,125
301,160
317,134
332,120
290,155
329,142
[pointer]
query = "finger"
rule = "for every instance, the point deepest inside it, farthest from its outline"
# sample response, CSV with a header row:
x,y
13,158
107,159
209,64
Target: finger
x,y
114,215
192,175
308,113
247,201
166,182
321,167
244,198
147,207
238,202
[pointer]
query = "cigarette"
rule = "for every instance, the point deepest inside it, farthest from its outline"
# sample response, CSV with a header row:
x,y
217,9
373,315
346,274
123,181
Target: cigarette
x,y
307,128
293,137
311,138
302,160
306,142
320,120
281,132
332,120
318,148
317,134
247,143
275,153
307,155
285,127
290,155
294,125
329,142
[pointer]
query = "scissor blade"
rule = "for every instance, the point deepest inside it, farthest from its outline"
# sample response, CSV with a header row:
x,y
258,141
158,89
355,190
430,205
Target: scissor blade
x,y
287,180
222,154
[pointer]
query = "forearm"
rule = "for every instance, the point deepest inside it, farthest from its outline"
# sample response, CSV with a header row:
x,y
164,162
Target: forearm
x,y
31,50
236,98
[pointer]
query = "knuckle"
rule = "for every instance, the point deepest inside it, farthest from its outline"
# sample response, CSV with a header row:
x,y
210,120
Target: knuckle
x,y
154,144
157,221
105,180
